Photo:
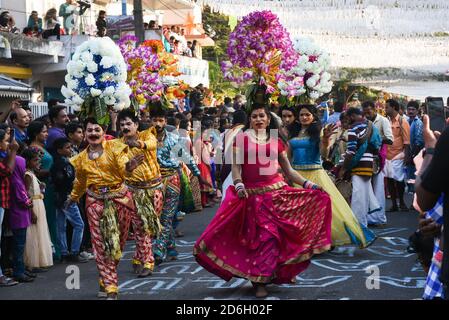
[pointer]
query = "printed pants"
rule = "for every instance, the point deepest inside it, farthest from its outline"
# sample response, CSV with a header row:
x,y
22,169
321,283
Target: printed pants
x,y
165,244
145,222
107,266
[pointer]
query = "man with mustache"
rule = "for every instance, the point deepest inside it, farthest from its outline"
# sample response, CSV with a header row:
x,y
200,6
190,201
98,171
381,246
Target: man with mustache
x,y
100,169
145,184
170,150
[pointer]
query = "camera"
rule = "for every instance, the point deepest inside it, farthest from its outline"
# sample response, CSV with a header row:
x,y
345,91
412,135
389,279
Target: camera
x,y
84,4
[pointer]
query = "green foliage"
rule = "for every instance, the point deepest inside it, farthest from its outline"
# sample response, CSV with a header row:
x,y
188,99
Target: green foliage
x,y
216,26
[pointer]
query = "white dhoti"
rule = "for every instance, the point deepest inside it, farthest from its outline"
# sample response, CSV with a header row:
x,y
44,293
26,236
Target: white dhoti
x,y
226,184
395,169
363,200
378,216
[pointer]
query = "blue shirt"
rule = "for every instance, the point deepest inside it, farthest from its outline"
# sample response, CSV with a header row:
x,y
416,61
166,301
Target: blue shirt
x,y
416,132
173,151
306,154
19,136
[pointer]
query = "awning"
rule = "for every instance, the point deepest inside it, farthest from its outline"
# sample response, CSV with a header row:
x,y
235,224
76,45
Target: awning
x,y
10,88
16,72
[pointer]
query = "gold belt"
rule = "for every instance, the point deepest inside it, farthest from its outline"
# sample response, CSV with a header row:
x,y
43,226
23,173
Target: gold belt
x,y
269,188
38,197
105,193
145,184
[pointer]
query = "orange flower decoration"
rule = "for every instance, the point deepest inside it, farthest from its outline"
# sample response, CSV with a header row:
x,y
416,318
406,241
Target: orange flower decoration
x,y
156,45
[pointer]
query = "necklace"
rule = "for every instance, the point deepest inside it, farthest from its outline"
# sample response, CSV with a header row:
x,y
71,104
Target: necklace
x,y
94,155
256,137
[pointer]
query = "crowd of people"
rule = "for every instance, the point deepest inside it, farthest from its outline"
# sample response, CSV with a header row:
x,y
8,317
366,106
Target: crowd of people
x,y
174,41
138,177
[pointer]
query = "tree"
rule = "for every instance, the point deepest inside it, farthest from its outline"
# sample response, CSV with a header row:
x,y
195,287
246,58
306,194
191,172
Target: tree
x,y
216,26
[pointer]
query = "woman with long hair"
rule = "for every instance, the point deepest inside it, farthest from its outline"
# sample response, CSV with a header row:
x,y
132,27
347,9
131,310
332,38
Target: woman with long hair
x,y
264,230
308,142
37,135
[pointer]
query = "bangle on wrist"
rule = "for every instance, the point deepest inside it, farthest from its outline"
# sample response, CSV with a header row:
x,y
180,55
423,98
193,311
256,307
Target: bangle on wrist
x,y
239,186
236,181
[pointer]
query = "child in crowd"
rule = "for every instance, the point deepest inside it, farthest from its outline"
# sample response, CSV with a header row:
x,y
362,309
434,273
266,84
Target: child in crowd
x,y
38,248
63,175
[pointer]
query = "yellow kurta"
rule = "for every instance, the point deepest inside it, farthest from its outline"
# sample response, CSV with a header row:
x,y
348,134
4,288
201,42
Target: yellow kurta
x,y
149,170
106,171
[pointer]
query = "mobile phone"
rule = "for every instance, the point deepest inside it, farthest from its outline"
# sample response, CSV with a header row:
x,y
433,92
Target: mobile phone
x,y
11,135
436,112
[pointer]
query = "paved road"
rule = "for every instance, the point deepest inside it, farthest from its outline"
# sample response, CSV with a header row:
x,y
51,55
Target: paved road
x,y
340,274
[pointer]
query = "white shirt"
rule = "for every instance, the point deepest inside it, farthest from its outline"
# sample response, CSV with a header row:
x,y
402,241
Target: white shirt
x,y
384,126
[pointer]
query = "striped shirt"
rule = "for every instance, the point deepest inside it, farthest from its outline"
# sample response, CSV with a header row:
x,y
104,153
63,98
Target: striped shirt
x,y
355,135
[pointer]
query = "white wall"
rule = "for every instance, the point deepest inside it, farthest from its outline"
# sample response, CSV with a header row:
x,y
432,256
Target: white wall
x,y
17,8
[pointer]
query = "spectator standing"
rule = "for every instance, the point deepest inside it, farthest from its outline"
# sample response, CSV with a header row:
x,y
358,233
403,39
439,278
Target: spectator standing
x,y
363,143
416,138
8,153
59,120
63,176
398,156
20,121
75,134
383,125
66,10
19,219
38,248
37,135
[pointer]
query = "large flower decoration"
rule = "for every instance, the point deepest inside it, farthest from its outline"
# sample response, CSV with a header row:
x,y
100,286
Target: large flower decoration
x,y
312,67
96,79
143,71
259,47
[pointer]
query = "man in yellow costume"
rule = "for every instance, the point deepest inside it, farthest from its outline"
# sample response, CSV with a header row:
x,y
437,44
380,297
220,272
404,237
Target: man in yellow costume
x,y
145,184
100,170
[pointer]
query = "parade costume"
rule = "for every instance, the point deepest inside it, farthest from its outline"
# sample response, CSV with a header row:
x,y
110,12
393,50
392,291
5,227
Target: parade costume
x,y
345,227
270,236
169,151
109,206
145,185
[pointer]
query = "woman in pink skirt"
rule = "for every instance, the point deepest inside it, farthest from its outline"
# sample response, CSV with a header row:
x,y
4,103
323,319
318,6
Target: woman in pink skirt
x,y
264,230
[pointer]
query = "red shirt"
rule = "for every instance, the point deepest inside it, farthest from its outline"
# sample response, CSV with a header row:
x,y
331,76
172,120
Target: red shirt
x,y
5,173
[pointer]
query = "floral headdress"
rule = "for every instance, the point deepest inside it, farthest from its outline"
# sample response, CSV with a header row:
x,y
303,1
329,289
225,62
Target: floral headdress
x,y
96,79
259,48
309,79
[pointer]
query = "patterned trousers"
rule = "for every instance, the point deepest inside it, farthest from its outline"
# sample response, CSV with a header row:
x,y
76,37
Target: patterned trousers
x,y
145,222
107,266
165,244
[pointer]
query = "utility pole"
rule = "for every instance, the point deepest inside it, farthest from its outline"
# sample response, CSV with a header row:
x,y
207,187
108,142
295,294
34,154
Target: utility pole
x,y
123,7
138,21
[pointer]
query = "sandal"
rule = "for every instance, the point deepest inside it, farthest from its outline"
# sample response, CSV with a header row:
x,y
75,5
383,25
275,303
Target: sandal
x,y
7,282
